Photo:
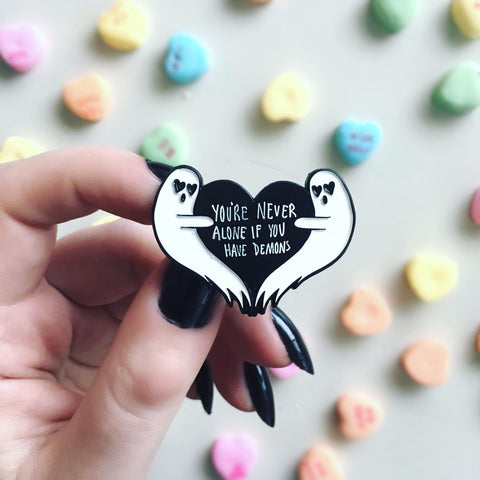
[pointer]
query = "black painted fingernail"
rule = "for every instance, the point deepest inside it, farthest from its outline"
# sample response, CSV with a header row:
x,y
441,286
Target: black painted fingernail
x,y
204,386
187,300
160,170
260,391
293,341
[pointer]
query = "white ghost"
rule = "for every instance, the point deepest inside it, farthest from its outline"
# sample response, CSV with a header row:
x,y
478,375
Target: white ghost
x,y
331,231
175,228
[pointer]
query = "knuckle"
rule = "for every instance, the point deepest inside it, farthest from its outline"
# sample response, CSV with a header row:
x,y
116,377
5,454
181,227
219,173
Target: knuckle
x,y
150,380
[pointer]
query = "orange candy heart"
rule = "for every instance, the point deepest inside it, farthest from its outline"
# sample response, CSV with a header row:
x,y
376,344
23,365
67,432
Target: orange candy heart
x,y
359,415
87,97
427,362
366,313
320,463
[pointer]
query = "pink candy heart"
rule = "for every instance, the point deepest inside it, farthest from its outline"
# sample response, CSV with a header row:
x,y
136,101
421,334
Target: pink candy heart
x,y
475,207
234,456
22,46
285,372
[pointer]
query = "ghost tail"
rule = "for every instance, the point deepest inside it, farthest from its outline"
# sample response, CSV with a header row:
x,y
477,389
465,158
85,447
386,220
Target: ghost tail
x,y
241,297
265,295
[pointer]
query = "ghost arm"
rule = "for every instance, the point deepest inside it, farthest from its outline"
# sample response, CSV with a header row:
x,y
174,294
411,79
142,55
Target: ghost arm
x,y
189,250
194,221
312,223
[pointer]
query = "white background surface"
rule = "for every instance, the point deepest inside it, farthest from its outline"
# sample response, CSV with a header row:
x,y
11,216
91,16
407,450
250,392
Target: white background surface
x,y
412,196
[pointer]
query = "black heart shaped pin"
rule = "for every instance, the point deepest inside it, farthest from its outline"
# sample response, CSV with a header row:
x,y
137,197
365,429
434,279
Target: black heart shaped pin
x,y
253,249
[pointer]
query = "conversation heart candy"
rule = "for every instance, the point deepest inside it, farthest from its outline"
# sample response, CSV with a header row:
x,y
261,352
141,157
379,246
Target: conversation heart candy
x,y
431,277
475,207
466,15
166,144
427,362
285,372
285,99
186,59
366,313
356,141
16,148
123,27
234,456
394,15
359,415
87,97
320,463
459,90
22,46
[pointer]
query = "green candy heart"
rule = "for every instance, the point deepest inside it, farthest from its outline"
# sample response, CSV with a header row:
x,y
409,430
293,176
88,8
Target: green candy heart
x,y
394,14
166,144
459,90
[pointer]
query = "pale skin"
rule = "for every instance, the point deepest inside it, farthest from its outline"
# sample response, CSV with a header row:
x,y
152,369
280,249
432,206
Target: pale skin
x,y
91,374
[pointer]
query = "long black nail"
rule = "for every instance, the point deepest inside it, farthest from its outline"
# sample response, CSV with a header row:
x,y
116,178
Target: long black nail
x,y
260,391
187,300
293,341
161,170
204,386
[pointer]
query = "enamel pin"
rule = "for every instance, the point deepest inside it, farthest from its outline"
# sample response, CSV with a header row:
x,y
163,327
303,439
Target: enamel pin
x,y
253,249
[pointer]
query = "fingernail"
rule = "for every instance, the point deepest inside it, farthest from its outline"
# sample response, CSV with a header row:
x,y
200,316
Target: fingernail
x,y
260,391
293,341
187,300
160,170
204,386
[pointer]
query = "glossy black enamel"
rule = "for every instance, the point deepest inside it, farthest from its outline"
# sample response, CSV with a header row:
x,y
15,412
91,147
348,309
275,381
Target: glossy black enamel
x,y
249,223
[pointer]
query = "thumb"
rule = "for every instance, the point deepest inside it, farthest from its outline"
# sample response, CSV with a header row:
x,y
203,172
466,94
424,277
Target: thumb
x,y
154,359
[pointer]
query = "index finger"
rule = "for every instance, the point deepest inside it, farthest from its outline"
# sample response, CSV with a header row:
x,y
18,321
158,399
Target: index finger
x,y
60,185
41,191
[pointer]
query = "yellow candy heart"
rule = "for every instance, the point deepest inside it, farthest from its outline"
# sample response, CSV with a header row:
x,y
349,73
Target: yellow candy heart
x,y
285,99
431,277
466,15
123,27
15,148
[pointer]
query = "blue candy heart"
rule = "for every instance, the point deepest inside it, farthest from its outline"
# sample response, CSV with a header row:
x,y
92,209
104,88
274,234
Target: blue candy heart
x,y
356,141
186,59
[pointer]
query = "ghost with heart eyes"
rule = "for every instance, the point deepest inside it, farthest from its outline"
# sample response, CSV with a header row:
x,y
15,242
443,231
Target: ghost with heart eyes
x,y
175,229
255,249
331,229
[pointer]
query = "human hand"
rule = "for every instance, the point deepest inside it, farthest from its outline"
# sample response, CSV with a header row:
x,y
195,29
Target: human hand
x,y
101,337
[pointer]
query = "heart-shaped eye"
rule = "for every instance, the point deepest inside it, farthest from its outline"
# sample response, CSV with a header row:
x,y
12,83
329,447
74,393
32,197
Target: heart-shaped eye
x,y
317,190
178,185
329,187
191,188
